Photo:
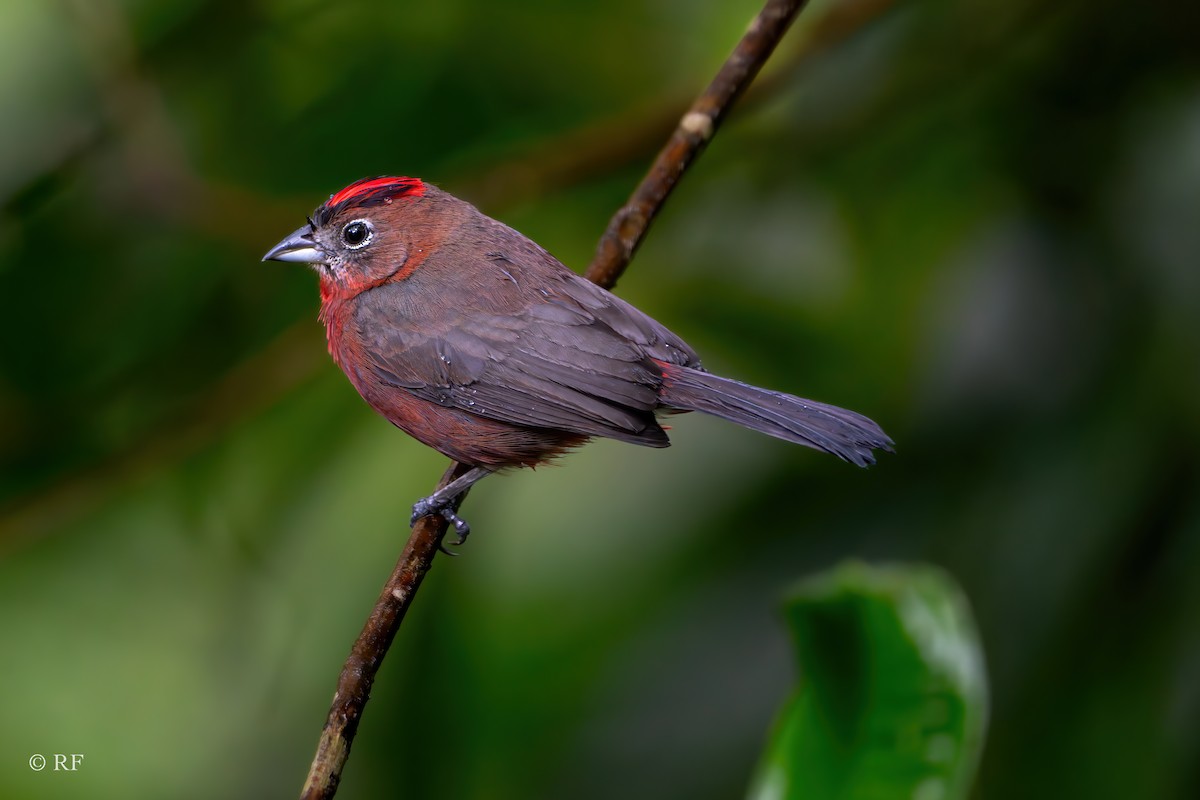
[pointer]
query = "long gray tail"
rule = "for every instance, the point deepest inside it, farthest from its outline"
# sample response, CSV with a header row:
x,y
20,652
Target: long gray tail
x,y
843,433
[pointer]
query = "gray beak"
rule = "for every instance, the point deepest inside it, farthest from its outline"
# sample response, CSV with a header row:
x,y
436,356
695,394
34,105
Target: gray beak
x,y
299,246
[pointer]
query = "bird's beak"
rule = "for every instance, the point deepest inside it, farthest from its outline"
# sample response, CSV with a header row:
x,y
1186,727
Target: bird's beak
x,y
299,246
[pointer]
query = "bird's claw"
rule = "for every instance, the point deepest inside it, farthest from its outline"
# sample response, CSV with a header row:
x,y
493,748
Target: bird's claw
x,y
430,506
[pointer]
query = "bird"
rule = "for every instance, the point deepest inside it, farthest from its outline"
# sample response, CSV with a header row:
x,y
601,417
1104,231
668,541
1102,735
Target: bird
x,y
477,342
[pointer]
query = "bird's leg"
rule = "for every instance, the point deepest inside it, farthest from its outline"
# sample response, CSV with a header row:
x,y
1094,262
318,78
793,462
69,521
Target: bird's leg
x,y
445,501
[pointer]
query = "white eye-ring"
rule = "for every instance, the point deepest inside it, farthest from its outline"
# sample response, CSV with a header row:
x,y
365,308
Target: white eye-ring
x,y
358,233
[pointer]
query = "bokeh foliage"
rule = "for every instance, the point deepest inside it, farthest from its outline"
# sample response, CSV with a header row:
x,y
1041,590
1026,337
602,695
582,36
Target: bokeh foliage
x,y
892,698
974,221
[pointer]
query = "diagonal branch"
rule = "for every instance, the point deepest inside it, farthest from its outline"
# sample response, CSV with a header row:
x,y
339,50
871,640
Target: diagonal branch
x,y
694,131
625,232
358,673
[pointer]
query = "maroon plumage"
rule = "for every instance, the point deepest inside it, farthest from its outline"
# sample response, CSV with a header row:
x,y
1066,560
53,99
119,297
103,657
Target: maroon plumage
x,y
479,343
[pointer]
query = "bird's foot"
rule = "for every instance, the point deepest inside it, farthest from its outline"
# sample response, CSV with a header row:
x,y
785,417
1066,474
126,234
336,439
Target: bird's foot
x,y
447,509
444,503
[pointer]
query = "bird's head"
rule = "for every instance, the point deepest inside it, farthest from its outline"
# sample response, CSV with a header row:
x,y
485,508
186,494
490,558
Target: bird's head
x,y
358,238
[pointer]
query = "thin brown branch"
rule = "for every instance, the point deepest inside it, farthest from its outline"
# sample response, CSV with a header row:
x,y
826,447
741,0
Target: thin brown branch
x,y
626,231
358,673
693,133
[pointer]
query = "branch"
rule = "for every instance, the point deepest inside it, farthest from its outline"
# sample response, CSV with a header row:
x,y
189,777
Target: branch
x,y
625,232
630,224
358,673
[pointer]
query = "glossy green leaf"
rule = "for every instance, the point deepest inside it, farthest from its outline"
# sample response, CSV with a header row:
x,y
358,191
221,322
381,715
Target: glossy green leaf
x,y
892,699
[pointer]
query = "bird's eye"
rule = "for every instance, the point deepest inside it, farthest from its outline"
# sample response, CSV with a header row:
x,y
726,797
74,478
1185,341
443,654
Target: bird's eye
x,y
357,233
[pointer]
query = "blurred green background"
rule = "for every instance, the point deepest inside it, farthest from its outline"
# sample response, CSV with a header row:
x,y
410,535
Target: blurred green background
x,y
976,222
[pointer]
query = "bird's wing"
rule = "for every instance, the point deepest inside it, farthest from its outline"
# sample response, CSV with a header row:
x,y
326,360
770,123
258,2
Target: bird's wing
x,y
555,363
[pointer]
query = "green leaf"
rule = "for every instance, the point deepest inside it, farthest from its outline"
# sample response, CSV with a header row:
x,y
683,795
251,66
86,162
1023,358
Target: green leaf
x,y
892,701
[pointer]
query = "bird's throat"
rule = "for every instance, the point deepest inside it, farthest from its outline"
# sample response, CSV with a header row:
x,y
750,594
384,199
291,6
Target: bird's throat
x,y
332,316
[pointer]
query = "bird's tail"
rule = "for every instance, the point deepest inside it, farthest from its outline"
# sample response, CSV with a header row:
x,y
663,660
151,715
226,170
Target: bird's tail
x,y
843,433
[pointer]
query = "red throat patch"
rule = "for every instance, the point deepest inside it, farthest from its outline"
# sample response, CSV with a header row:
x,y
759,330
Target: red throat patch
x,y
391,187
